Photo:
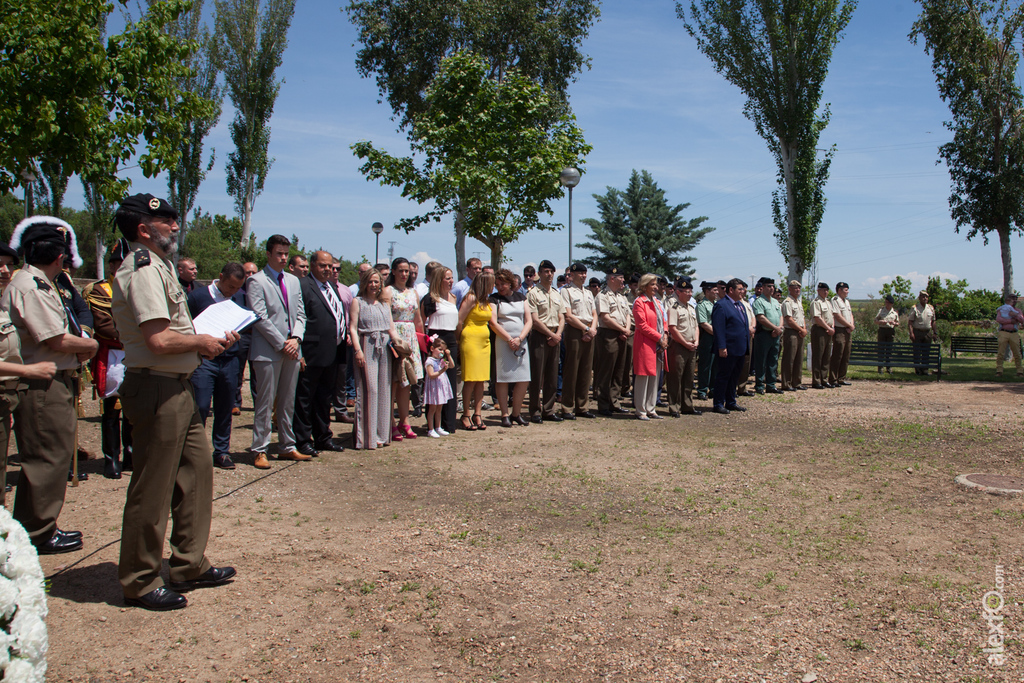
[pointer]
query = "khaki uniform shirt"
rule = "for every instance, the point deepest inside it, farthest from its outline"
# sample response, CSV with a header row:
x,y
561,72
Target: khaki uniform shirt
x,y
921,318
616,306
843,308
37,311
821,308
683,317
150,292
10,342
546,305
892,318
794,309
579,302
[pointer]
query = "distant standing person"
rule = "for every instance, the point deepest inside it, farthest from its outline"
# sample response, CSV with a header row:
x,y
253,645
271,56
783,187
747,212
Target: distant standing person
x,y
842,313
187,272
580,331
706,347
441,317
1009,319
767,339
547,313
795,331
822,330
649,345
922,326
887,319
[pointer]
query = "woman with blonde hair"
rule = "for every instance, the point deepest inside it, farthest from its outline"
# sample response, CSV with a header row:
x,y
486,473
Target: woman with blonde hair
x,y
441,317
650,342
475,344
370,329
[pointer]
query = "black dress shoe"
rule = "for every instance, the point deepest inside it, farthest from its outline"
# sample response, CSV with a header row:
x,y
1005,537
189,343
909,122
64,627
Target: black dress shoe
x,y
111,468
846,384
745,393
673,413
68,534
553,417
82,476
772,390
736,408
333,445
759,392
537,420
817,386
621,411
307,449
58,544
721,410
520,420
695,412
505,422
800,387
160,600
568,416
829,385
214,576
587,414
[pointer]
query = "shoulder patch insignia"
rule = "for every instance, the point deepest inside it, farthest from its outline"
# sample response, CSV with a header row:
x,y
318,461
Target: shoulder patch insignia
x,y
142,258
42,284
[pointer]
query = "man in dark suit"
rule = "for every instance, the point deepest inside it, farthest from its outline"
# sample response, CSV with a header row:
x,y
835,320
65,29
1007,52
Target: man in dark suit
x,y
325,332
217,378
732,336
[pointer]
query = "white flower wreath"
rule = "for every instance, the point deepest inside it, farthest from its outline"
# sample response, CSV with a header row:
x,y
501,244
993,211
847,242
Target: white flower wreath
x,y
23,640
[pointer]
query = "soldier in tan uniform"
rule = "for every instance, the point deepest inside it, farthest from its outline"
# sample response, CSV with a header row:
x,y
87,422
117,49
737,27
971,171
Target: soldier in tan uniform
x,y
173,463
548,313
580,330
887,319
822,330
793,334
684,336
842,313
44,421
614,325
921,323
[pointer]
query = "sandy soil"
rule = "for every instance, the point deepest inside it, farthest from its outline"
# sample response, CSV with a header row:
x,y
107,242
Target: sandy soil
x,y
819,535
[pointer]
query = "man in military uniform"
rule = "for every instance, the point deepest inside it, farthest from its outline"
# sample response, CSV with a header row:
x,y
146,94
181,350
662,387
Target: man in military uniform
x,y
614,325
173,459
8,264
921,323
548,314
767,338
822,330
706,352
842,312
631,293
115,429
794,332
45,416
684,337
580,330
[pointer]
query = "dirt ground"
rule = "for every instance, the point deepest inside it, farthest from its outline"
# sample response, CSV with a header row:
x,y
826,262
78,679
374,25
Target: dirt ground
x,y
818,536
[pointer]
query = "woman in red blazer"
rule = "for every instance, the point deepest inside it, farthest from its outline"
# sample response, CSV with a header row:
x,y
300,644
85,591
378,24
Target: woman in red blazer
x,y
650,340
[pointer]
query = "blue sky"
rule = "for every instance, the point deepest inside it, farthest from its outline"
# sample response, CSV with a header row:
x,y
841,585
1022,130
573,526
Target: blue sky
x,y
650,101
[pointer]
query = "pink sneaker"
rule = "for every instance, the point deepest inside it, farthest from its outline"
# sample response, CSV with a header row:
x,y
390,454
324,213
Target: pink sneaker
x,y
407,432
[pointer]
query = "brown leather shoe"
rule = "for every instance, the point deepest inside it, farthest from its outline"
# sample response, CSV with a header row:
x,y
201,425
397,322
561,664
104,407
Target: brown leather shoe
x,y
261,462
294,455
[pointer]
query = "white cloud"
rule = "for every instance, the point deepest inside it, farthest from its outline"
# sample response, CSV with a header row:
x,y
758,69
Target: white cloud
x,y
872,285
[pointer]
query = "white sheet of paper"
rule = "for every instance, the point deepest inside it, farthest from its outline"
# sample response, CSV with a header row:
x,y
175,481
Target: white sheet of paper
x,y
115,371
217,319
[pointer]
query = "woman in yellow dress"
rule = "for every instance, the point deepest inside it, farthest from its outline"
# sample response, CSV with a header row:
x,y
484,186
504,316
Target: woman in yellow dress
x,y
475,346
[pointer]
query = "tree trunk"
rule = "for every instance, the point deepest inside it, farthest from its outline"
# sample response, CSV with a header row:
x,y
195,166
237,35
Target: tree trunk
x,y
796,264
460,244
101,252
1004,252
250,201
497,251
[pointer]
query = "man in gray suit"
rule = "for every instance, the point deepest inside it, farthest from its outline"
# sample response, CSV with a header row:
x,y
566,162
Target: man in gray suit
x,y
275,296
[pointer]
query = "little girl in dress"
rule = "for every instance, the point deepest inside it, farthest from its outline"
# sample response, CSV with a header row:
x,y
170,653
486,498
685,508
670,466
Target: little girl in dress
x,y
437,390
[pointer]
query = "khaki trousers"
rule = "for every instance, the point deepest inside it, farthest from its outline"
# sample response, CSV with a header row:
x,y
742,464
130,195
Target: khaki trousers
x,y
1011,339
682,365
609,361
840,360
821,353
44,424
8,404
543,374
173,474
577,370
792,359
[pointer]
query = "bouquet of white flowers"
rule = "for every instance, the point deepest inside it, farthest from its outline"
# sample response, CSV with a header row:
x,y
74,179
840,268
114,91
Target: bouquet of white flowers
x,y
23,641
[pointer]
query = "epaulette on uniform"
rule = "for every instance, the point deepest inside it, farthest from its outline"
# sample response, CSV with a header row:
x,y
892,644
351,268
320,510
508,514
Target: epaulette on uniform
x,y
42,284
142,258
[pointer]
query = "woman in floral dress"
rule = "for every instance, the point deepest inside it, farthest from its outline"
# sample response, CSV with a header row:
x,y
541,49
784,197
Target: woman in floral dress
x,y
405,310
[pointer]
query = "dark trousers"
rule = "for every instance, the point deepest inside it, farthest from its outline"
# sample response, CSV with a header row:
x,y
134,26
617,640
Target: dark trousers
x,y
609,361
766,360
681,367
115,431
341,379
313,397
886,335
743,378
792,359
840,355
577,371
728,375
922,343
450,411
217,379
707,357
626,378
543,374
821,353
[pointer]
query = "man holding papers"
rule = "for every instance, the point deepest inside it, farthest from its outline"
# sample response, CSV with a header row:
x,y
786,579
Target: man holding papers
x,y
172,458
217,378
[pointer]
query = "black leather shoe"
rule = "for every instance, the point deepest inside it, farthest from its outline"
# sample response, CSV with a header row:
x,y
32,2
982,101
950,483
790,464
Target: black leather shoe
x,y
505,422
587,414
553,417
771,390
307,449
817,386
673,413
568,416
520,420
333,445
846,384
745,393
759,392
621,411
82,476
800,388
214,576
111,468
537,420
160,600
68,534
736,408
829,385
695,412
720,410
58,544
223,462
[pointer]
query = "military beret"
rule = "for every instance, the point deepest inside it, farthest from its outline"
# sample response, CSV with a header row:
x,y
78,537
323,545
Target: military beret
x,y
7,251
707,285
795,283
662,280
721,283
120,250
842,284
148,205
594,282
614,271
822,285
634,279
684,283
577,268
766,281
546,264
41,232
890,299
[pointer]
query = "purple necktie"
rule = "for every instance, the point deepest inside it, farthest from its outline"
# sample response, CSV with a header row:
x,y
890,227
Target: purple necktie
x,y
284,295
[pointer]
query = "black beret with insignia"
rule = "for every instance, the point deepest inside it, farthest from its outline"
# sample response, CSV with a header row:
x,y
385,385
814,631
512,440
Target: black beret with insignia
x,y
119,251
577,268
546,264
148,205
634,279
684,283
594,282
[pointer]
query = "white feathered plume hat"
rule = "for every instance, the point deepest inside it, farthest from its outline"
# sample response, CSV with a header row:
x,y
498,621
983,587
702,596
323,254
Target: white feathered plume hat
x,y
62,226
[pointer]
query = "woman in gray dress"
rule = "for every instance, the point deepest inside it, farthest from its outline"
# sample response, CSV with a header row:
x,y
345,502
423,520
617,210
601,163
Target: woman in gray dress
x,y
370,328
511,326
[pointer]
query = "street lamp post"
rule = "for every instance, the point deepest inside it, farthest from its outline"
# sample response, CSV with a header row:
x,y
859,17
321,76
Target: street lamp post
x,y
29,177
570,178
377,228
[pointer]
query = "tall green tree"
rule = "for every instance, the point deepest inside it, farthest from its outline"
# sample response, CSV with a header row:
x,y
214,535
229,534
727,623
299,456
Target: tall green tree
x,y
640,232
777,53
404,43
185,177
72,99
490,149
974,57
251,38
